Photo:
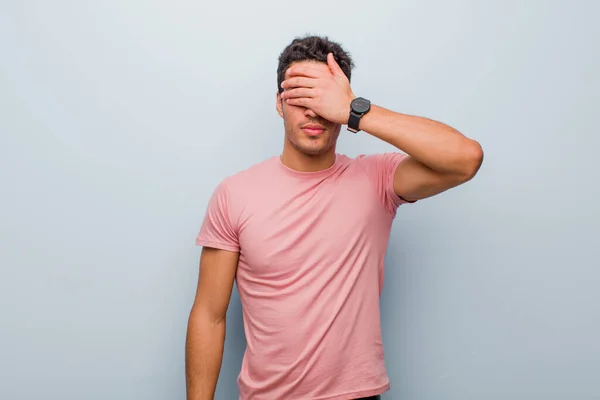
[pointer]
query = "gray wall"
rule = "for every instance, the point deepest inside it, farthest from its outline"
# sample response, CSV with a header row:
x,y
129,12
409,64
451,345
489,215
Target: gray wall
x,y
118,119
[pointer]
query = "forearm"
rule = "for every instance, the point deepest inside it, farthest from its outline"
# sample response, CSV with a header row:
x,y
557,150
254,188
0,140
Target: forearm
x,y
434,144
204,355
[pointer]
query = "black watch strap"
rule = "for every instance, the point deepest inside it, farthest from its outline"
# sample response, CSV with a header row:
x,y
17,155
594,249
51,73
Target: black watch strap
x,y
353,122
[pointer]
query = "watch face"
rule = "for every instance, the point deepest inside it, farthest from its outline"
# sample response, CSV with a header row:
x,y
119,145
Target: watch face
x,y
360,105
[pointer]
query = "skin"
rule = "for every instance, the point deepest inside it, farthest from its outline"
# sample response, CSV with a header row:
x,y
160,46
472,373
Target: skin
x,y
439,158
206,325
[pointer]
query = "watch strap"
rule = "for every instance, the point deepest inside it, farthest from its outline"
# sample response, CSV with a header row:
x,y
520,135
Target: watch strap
x,y
353,122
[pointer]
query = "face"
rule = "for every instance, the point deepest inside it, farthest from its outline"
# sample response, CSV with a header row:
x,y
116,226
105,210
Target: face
x,y
305,131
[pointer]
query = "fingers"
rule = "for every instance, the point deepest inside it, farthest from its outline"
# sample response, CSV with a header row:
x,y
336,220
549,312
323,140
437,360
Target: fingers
x,y
298,92
334,67
300,101
307,69
299,82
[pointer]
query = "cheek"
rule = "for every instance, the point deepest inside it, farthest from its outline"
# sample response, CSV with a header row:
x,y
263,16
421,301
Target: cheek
x,y
336,130
292,115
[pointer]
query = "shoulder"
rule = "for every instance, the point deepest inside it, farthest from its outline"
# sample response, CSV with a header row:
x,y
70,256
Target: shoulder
x,y
375,158
246,180
377,162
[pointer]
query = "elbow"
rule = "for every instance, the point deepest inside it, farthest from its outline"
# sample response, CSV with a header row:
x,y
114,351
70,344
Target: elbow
x,y
204,314
472,158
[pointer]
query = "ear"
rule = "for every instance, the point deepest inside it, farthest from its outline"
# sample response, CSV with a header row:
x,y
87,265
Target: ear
x,y
279,104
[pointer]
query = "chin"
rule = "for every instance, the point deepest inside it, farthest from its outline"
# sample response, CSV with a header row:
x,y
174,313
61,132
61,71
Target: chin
x,y
315,150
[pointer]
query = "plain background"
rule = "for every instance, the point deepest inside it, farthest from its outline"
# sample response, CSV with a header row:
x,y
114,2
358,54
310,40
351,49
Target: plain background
x,y
119,118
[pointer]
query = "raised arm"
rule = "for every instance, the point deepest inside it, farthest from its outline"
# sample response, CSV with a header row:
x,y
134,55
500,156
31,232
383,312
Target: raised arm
x,y
439,157
206,326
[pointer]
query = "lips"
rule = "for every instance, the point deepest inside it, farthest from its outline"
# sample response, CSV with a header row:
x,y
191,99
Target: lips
x,y
313,129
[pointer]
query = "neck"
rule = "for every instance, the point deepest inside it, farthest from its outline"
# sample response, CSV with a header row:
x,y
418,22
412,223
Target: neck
x,y
301,162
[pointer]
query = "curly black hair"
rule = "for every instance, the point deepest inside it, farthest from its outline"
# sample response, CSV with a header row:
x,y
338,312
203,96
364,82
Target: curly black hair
x,y
313,48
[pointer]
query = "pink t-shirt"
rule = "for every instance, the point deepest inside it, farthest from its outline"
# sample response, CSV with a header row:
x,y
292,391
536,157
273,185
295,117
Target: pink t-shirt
x,y
310,273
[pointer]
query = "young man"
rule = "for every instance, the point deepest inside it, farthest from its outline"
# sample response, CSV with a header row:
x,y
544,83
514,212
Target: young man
x,y
305,234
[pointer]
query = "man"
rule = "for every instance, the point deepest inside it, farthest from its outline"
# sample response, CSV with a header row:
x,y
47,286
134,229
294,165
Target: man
x,y
305,234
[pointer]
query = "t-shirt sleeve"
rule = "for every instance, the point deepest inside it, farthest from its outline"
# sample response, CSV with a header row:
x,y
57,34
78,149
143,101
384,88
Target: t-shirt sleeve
x,y
381,169
218,228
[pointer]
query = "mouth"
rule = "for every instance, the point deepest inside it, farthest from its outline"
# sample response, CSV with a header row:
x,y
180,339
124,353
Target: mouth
x,y
313,129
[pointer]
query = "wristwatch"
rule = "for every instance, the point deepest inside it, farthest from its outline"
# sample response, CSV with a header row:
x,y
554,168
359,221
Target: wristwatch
x,y
358,107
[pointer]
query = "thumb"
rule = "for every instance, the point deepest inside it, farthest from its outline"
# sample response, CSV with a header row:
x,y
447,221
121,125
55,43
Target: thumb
x,y
334,66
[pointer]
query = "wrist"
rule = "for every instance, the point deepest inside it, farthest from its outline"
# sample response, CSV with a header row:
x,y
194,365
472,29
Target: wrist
x,y
359,107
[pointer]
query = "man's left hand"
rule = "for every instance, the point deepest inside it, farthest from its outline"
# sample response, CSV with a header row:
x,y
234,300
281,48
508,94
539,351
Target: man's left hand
x,y
326,91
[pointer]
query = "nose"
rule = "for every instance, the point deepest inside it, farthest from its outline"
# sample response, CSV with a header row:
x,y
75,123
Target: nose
x,y
310,113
